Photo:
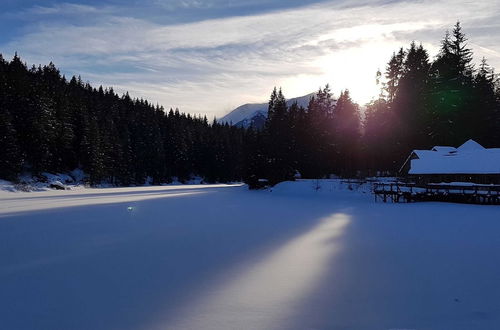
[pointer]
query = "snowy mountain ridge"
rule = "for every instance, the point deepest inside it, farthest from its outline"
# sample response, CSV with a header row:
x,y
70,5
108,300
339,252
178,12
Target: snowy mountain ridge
x,y
256,113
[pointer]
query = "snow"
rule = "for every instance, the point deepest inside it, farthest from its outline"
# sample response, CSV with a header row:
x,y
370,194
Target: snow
x,y
464,184
74,180
311,254
244,112
248,111
28,182
444,150
485,161
470,145
470,158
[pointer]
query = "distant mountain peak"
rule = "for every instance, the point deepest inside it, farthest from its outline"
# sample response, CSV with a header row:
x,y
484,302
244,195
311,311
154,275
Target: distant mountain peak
x,y
255,114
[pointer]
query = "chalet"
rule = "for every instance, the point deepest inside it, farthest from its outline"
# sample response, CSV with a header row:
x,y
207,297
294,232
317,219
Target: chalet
x,y
470,162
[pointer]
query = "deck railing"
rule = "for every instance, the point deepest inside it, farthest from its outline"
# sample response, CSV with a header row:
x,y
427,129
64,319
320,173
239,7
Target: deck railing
x,y
462,193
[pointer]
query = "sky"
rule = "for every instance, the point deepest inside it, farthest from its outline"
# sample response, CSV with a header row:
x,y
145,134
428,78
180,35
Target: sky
x,y
209,56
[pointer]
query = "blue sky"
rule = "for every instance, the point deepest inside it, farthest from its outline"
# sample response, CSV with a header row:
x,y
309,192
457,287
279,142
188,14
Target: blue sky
x,y
209,56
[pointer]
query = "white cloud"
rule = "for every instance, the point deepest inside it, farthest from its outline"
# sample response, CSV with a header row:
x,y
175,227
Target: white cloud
x,y
62,9
184,4
214,65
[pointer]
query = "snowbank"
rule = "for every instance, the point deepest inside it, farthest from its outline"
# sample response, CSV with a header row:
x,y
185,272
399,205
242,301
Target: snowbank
x,y
77,179
46,181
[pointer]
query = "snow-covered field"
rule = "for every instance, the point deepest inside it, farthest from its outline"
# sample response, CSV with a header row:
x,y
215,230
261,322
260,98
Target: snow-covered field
x,y
223,257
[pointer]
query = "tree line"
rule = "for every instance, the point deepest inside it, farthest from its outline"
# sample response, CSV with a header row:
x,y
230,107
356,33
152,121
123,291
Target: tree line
x,y
50,124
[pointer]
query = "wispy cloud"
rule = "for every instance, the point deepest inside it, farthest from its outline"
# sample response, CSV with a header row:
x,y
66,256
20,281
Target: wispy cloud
x,y
210,66
62,9
185,4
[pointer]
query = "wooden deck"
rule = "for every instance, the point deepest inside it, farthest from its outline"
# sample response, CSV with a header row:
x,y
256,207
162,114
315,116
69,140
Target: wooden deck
x,y
411,192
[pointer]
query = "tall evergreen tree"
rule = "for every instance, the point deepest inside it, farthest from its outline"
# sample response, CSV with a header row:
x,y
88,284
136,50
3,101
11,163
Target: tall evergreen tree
x,y
451,88
277,132
486,120
347,128
408,104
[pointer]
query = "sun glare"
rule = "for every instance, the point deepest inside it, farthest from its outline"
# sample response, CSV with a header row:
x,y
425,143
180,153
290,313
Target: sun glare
x,y
289,273
352,63
354,69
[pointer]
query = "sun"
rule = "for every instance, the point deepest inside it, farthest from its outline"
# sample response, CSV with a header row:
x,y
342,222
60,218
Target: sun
x,y
353,68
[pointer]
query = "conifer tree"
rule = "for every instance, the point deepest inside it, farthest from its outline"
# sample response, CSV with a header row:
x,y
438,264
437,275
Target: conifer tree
x,y
451,88
394,72
10,161
378,139
486,121
278,136
408,104
347,128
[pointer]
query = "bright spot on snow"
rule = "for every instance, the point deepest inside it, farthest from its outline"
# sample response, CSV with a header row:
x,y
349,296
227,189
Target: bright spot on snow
x,y
130,208
266,294
36,201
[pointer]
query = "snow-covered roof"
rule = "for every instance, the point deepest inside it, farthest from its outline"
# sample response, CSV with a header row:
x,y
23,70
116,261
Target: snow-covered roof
x,y
470,158
426,153
470,145
443,149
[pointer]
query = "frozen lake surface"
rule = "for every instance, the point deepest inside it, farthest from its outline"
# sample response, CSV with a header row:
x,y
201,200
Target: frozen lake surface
x,y
223,257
